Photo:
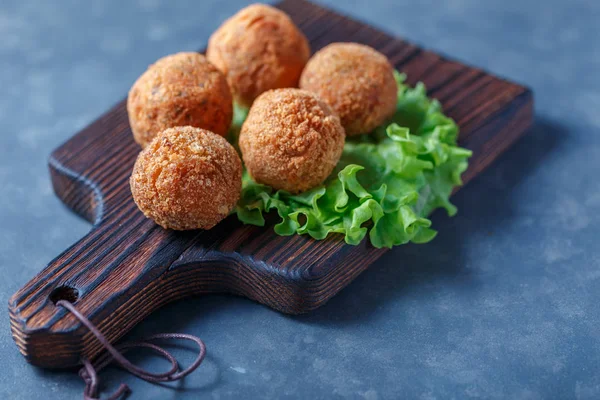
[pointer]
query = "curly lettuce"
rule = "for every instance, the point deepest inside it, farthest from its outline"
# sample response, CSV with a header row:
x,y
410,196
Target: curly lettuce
x,y
385,185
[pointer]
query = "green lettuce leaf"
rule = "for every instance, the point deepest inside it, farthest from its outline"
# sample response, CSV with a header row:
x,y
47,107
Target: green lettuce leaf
x,y
385,185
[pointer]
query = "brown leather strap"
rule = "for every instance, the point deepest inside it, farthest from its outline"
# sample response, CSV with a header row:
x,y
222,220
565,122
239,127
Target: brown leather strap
x,y
89,371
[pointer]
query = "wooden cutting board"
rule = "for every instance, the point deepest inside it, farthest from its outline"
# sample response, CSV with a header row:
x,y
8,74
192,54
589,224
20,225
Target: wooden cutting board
x,y
127,266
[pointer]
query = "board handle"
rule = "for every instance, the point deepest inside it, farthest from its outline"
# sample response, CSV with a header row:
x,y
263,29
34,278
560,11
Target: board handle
x,y
114,276
121,271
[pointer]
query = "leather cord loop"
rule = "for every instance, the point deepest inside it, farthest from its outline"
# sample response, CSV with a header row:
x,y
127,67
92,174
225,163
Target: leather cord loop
x,y
89,371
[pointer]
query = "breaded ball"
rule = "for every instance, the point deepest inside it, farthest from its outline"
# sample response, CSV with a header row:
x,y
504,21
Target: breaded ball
x,y
187,178
182,89
258,49
357,81
291,140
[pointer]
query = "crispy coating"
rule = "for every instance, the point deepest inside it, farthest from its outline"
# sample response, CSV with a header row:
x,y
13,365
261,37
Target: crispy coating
x,y
187,178
182,89
357,81
291,140
258,49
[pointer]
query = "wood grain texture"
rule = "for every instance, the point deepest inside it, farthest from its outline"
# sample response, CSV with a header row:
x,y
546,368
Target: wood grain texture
x,y
127,266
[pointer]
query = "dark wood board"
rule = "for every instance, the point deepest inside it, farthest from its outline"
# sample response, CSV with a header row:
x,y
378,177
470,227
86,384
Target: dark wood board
x,y
127,266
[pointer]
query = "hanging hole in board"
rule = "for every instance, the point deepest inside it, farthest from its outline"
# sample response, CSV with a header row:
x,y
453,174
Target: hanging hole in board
x,y
66,293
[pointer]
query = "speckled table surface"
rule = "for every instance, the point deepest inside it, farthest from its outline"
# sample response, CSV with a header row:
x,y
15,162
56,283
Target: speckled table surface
x,y
503,304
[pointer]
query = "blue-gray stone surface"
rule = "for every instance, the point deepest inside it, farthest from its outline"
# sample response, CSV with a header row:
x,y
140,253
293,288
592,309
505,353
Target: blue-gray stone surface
x,y
504,303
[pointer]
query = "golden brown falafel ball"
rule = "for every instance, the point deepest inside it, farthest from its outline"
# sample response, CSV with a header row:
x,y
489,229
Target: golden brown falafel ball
x,y
187,178
182,89
291,140
258,49
357,81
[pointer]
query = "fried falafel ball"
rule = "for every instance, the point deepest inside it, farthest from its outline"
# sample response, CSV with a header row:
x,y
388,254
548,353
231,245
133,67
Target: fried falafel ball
x,y
258,49
187,178
182,89
357,81
291,140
